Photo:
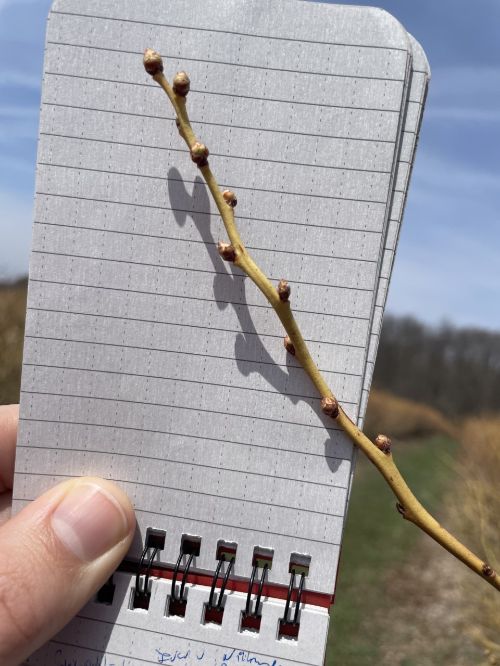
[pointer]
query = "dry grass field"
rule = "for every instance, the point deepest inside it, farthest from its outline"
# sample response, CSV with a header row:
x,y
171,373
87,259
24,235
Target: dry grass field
x,y
477,516
12,316
400,418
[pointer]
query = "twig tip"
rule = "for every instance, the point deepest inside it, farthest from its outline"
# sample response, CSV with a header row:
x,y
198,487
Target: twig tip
x,y
153,63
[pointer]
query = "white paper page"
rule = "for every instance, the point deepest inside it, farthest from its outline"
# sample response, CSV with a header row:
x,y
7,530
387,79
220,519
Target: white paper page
x,y
147,360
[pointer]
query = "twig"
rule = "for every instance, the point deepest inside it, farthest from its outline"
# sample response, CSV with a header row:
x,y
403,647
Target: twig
x,y
379,451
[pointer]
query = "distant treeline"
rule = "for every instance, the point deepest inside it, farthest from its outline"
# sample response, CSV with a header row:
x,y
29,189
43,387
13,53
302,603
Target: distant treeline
x,y
457,370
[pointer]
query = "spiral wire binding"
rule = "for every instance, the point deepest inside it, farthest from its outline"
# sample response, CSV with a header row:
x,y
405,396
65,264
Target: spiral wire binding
x,y
185,573
210,603
144,590
214,608
287,627
259,592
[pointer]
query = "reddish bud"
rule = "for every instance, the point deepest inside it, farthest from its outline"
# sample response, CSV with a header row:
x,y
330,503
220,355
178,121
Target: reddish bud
x,y
488,571
283,290
153,64
230,198
199,154
226,251
289,346
181,84
383,443
330,407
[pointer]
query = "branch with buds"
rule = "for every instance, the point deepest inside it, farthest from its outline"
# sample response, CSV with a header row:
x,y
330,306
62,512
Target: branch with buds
x,y
379,451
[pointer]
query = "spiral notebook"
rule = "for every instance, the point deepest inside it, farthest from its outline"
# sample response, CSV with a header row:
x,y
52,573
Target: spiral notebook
x,y
149,361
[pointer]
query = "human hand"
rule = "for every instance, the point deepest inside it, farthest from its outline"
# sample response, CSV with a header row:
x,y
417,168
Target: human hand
x,y
56,553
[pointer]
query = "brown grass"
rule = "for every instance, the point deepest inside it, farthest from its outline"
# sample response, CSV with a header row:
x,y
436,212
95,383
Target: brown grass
x,y
478,516
403,419
12,316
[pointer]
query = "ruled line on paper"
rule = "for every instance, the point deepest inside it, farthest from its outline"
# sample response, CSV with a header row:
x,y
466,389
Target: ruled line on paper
x,y
68,373
165,514
229,64
335,123
87,424
201,212
179,407
252,362
347,92
99,652
184,325
165,459
215,124
231,32
204,382
189,297
189,269
227,185
181,491
233,95
152,631
179,239
212,153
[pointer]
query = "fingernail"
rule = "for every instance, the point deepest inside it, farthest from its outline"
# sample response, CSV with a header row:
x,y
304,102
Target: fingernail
x,y
89,521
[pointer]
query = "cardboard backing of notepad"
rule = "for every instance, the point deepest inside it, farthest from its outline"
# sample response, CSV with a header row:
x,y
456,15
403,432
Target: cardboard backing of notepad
x,y
150,361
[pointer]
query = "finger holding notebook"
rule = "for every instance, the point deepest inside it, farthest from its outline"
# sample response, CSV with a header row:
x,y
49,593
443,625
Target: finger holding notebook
x,y
56,553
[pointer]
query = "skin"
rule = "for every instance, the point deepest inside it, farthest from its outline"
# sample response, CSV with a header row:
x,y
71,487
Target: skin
x,y
48,570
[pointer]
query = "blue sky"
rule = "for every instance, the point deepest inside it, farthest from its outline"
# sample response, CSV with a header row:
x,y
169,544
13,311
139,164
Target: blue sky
x,y
448,259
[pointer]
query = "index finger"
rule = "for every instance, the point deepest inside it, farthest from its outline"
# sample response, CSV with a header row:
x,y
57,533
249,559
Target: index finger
x,y
9,416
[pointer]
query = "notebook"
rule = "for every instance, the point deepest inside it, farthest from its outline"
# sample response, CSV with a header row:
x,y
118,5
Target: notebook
x,y
150,361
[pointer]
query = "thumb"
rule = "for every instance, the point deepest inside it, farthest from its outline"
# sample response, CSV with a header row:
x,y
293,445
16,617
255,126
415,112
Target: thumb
x,y
54,555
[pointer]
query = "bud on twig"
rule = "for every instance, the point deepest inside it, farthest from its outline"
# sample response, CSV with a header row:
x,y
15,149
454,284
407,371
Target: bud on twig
x,y
283,290
181,84
153,64
199,154
230,198
488,571
226,251
383,443
330,407
400,509
289,346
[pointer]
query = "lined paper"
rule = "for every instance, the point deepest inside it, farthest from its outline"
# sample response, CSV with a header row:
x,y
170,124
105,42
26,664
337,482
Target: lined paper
x,y
148,360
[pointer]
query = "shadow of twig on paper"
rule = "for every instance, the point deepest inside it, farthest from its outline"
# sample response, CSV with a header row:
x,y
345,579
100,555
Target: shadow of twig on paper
x,y
229,291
